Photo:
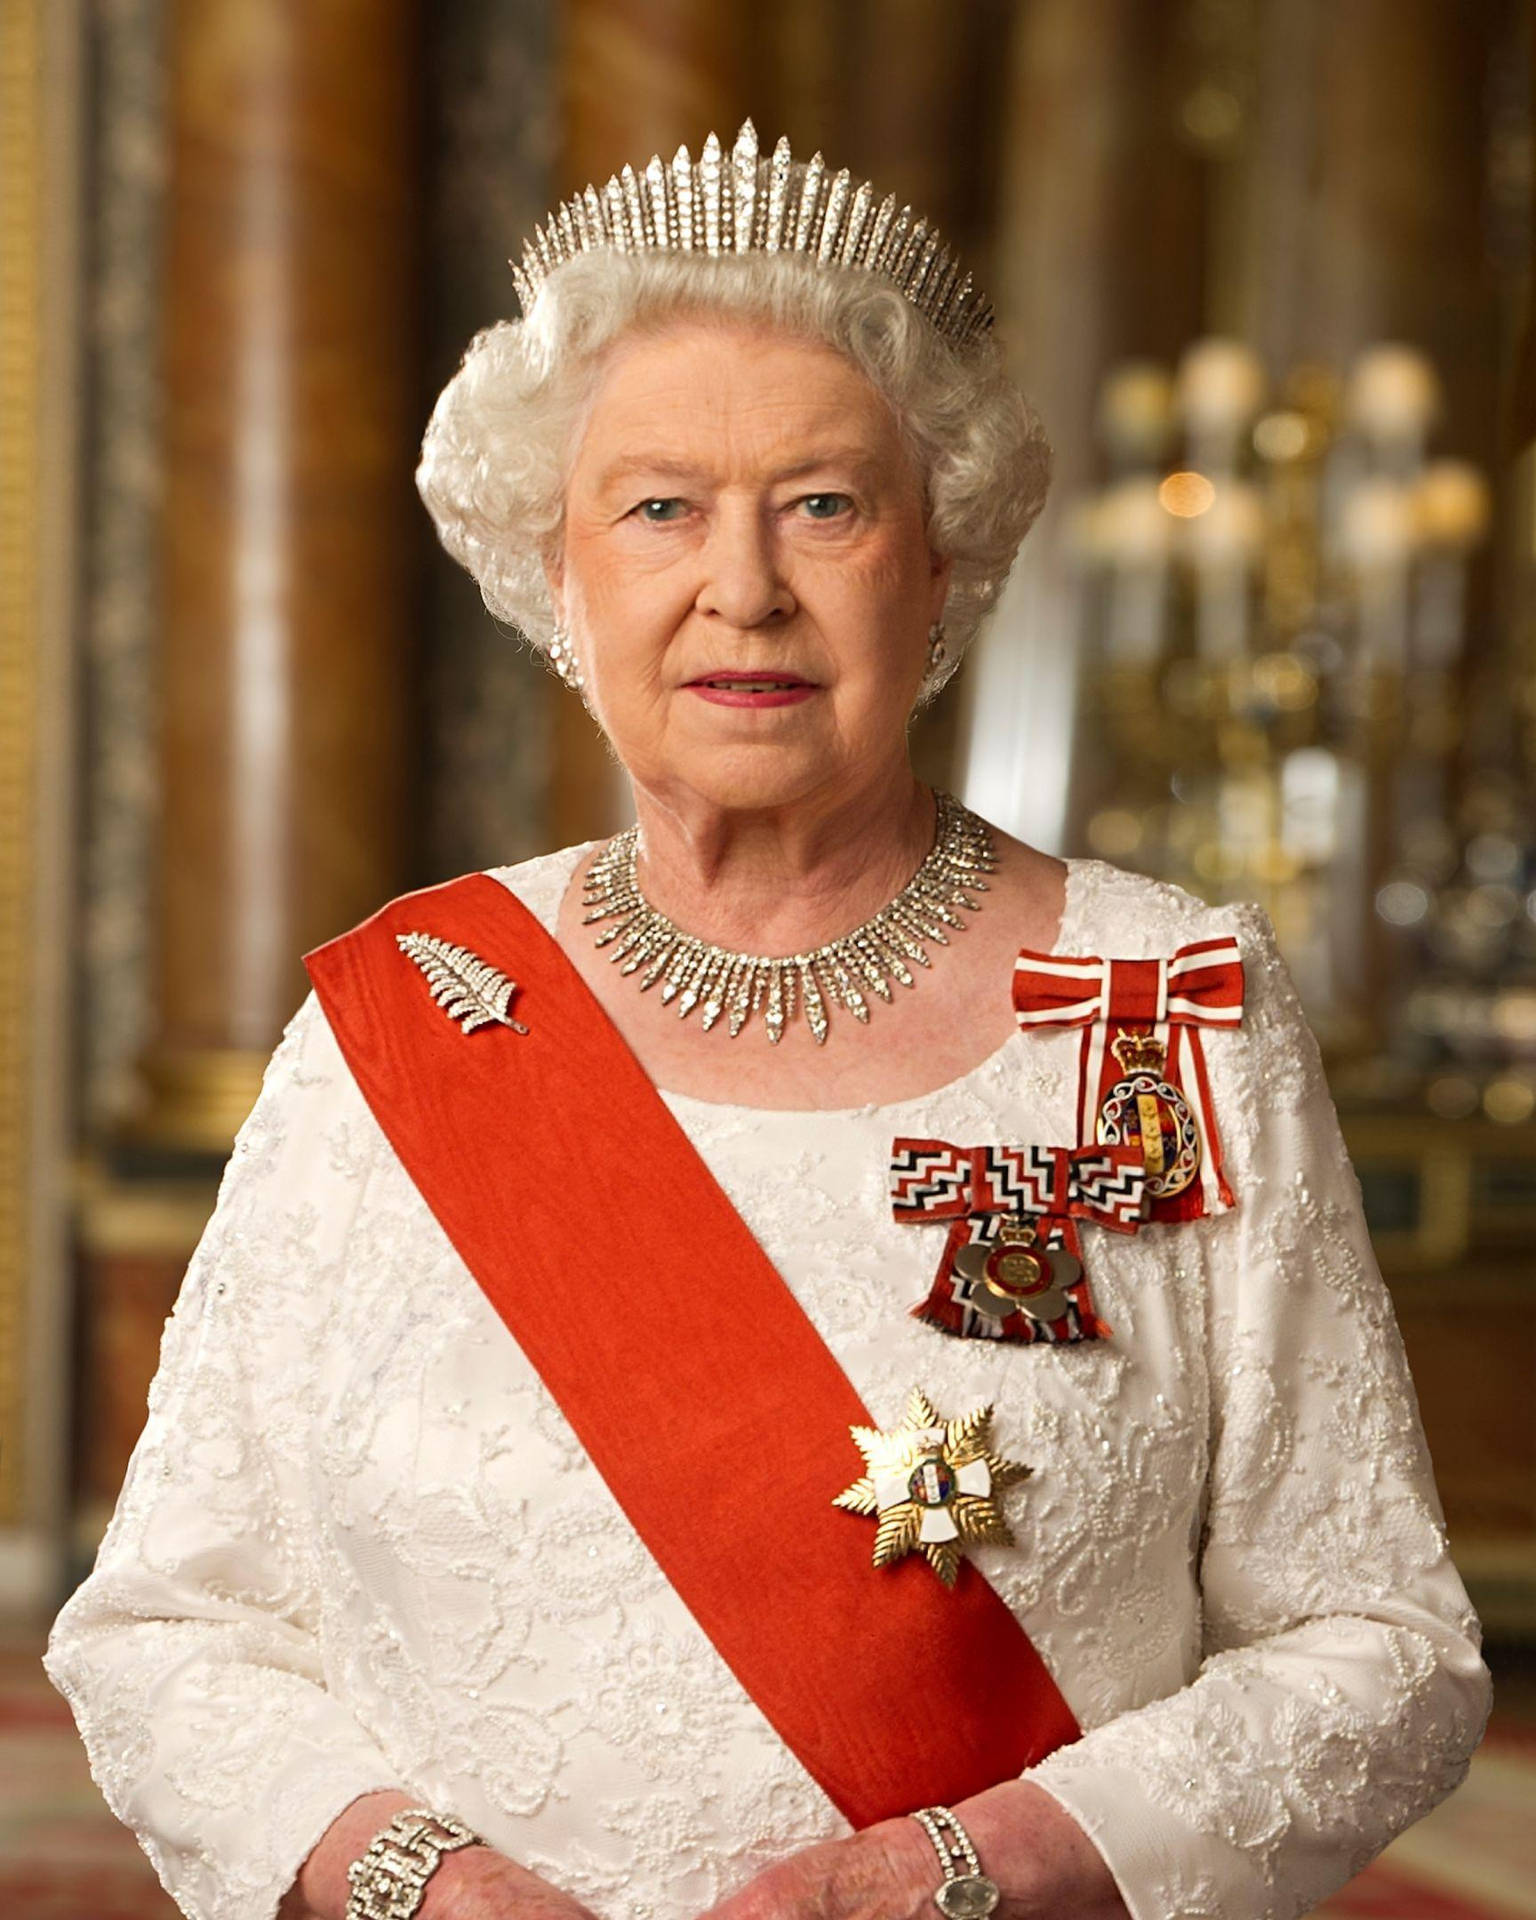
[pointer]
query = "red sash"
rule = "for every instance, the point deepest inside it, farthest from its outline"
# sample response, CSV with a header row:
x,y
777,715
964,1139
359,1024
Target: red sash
x,y
723,1432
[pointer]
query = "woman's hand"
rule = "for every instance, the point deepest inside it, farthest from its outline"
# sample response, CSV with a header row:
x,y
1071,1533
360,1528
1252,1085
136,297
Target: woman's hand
x,y
887,1872
472,1883
481,1884
1045,1866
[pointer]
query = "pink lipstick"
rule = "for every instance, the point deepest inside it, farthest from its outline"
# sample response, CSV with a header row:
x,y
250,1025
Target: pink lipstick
x,y
729,689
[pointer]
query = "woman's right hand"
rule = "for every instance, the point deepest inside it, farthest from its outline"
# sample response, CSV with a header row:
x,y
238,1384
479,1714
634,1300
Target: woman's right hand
x,y
478,1883
473,1883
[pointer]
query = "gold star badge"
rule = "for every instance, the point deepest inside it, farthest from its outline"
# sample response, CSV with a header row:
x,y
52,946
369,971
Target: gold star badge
x,y
933,1485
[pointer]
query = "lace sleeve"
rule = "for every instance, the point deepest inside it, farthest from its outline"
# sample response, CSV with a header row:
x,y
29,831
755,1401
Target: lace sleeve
x,y
1340,1693
189,1655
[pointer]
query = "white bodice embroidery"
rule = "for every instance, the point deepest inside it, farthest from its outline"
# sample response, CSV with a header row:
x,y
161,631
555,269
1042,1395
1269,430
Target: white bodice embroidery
x,y
359,1546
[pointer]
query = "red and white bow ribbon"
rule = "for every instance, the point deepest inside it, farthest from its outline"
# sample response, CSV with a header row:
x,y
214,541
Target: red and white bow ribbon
x,y
932,1180
1172,999
1201,985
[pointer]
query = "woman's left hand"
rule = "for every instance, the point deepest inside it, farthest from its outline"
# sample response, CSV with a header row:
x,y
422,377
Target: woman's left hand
x,y
886,1872
1042,1861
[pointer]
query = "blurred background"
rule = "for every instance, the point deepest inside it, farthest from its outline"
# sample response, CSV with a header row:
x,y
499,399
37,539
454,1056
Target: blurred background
x,y
1264,267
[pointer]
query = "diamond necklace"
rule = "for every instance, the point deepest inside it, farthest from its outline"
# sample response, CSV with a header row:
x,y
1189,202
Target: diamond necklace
x,y
844,972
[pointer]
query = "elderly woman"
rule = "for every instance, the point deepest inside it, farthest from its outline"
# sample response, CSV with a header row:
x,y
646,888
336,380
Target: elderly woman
x,y
625,1451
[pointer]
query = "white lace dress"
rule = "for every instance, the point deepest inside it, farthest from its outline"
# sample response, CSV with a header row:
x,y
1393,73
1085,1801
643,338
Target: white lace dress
x,y
359,1546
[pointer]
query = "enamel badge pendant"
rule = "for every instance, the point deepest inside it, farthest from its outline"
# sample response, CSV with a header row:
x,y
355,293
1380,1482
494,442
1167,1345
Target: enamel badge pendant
x,y
932,1485
1143,1109
1142,1077
467,988
1017,1273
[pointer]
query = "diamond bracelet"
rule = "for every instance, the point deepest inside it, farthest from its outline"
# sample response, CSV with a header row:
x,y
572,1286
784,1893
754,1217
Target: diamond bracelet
x,y
967,1893
389,1880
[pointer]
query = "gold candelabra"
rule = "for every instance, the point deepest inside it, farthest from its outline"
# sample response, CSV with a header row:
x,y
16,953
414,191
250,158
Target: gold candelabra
x,y
1281,704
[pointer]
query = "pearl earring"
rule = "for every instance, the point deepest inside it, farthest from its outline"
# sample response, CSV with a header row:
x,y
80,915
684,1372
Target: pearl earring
x,y
938,647
562,657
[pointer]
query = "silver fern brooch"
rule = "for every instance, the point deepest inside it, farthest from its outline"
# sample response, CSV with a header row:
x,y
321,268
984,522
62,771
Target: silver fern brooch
x,y
467,988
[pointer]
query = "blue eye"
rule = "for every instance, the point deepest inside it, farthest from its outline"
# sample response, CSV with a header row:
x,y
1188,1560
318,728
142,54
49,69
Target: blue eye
x,y
658,512
825,506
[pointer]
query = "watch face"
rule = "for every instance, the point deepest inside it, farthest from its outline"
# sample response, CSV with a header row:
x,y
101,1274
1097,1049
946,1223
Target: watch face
x,y
967,1898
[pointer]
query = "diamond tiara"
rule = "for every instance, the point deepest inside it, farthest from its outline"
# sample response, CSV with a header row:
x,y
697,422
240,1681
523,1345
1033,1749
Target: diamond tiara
x,y
747,204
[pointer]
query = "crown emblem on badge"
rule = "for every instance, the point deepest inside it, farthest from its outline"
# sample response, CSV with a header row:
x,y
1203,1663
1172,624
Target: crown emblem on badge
x,y
743,203
1146,1110
1138,1052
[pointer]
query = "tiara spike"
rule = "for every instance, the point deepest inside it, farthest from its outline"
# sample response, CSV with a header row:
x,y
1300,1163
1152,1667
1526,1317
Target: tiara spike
x,y
884,215
710,170
744,183
658,202
904,263
966,312
967,321
567,223
945,287
593,231
634,213
925,265
614,216
654,231
682,184
746,201
810,196
858,221
891,246
832,220
778,196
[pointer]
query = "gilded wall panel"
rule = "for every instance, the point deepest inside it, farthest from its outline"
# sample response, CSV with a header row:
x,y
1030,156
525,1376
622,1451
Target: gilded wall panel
x,y
38,273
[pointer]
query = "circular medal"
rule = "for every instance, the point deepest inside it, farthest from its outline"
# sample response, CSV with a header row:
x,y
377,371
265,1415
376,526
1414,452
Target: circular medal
x,y
1016,1271
931,1482
1143,1110
1014,1276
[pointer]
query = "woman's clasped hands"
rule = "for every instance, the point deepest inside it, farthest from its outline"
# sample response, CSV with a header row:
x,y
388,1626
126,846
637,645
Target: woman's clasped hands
x,y
1041,1860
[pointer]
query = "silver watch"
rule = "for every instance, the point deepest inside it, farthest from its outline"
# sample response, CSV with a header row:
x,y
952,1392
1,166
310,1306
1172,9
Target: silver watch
x,y
389,1881
967,1893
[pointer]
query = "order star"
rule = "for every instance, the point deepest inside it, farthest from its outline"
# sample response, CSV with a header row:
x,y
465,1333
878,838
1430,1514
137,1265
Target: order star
x,y
932,1484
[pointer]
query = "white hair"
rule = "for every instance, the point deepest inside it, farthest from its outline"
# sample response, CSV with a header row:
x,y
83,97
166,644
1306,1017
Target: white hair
x,y
497,450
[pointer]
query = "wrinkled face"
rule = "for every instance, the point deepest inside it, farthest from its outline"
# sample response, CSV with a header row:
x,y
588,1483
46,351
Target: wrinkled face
x,y
745,572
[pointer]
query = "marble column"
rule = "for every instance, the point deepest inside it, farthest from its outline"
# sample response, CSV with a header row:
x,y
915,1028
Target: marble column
x,y
1100,256
486,701
1364,194
290,427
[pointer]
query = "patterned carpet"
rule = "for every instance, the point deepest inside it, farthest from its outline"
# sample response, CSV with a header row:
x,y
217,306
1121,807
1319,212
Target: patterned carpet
x,y
63,1857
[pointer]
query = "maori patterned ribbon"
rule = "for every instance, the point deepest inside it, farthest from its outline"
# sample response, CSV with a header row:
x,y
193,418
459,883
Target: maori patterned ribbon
x,y
987,1193
1169,1001
931,1180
